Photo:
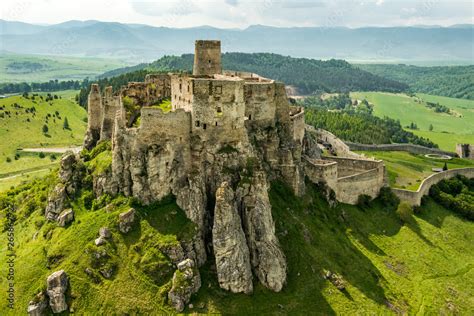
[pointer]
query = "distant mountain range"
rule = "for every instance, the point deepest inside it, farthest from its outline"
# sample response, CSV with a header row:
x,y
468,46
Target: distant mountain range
x,y
145,43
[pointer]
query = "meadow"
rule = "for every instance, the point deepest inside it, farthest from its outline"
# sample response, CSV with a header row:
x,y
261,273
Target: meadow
x,y
448,129
37,68
406,170
22,127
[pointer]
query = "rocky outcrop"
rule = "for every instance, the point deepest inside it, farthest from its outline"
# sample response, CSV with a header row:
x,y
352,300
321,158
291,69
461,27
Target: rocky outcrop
x,y
38,306
66,217
71,174
126,220
57,284
267,258
104,234
186,282
230,247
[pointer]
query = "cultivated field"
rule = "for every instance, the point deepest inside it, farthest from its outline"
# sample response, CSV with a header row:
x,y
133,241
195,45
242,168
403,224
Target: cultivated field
x,y
29,68
448,129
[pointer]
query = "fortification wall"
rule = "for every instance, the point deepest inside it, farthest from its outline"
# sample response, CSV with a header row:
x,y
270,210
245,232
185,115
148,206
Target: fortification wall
x,y
158,86
337,144
182,88
260,103
155,125
282,110
411,148
218,105
110,105
465,151
355,163
318,170
297,123
414,197
368,183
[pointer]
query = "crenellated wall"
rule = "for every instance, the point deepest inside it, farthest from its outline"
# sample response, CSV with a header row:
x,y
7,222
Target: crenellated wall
x,y
411,148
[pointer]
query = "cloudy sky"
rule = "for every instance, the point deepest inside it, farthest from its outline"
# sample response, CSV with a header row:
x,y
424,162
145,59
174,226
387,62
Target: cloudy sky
x,y
242,13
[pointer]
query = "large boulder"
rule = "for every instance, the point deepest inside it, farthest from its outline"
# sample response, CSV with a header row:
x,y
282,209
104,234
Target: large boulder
x,y
186,282
230,247
56,202
57,284
66,217
38,306
126,220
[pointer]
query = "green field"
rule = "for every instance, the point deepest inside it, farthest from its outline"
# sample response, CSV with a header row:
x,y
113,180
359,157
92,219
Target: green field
x,y
17,132
422,267
37,68
448,129
406,171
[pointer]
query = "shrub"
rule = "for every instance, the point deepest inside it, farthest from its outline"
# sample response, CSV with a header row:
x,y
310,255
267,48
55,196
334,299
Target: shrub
x,y
45,129
9,159
364,200
405,211
388,198
42,155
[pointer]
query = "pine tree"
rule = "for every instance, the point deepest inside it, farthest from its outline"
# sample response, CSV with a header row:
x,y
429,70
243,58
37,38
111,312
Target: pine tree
x,y
66,124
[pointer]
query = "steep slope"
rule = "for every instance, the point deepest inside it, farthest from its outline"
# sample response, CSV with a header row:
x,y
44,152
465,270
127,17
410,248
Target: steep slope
x,y
423,266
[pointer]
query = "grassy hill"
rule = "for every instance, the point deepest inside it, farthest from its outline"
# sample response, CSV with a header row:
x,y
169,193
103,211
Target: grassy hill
x,y
16,68
21,127
424,266
448,129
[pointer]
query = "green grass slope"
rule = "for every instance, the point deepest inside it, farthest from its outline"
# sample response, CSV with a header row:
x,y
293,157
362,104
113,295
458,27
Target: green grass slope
x,y
448,129
422,267
37,68
20,129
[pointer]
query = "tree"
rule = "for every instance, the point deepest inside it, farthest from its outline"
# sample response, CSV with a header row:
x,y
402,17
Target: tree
x,y
66,124
404,211
445,167
431,127
45,129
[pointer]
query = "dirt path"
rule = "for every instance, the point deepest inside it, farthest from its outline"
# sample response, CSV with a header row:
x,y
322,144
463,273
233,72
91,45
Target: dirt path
x,y
53,150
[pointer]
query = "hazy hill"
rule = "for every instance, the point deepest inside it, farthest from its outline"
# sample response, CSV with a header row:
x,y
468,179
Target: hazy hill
x,y
142,42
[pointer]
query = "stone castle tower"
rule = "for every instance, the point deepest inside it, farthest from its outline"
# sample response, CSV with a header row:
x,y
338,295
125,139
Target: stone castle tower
x,y
207,58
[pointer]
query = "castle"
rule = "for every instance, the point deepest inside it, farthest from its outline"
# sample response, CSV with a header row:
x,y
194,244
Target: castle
x,y
216,147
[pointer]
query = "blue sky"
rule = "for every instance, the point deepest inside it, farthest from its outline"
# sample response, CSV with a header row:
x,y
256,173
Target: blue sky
x,y
242,13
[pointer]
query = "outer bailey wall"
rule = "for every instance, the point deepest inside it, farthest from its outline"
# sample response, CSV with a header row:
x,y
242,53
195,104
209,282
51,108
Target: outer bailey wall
x,y
411,148
338,145
181,92
321,171
358,164
414,197
369,183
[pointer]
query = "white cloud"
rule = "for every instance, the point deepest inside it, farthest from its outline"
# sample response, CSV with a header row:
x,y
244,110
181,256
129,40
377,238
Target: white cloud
x,y
242,13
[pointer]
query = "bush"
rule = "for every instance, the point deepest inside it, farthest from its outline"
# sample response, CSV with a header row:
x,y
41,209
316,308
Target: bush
x,y
364,200
9,159
388,198
404,211
42,155
45,129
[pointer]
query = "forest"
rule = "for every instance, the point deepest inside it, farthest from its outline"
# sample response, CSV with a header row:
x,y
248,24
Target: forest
x,y
448,81
356,123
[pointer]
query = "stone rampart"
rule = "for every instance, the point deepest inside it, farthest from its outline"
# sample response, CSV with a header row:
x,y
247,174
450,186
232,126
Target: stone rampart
x,y
414,197
411,148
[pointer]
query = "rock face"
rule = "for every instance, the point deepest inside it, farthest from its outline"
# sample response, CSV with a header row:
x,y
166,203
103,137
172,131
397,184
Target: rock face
x,y
186,282
38,306
70,179
126,220
57,284
268,261
66,217
230,247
